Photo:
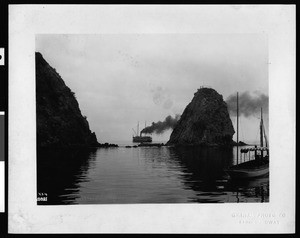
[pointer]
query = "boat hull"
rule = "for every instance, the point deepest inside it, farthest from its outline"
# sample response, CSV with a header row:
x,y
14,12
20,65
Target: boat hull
x,y
139,139
239,173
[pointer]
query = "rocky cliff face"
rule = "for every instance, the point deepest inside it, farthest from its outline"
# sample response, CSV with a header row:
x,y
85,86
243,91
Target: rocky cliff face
x,y
59,119
205,121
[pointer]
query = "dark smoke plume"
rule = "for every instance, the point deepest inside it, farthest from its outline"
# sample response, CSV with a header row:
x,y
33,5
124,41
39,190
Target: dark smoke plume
x,y
249,104
161,126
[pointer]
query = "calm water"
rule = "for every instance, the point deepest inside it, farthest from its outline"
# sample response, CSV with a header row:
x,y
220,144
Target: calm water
x,y
143,175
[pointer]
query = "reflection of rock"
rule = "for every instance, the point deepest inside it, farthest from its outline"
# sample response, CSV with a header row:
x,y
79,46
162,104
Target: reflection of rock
x,y
59,119
203,172
205,121
60,171
203,164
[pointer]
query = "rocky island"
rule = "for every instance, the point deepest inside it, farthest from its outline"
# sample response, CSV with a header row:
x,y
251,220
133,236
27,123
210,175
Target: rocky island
x,y
205,121
59,119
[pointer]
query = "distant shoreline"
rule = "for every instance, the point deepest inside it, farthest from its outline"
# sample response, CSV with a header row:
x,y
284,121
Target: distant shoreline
x,y
129,144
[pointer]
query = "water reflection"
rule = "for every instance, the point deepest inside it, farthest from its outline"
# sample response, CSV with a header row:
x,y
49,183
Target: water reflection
x,y
202,170
257,189
60,172
144,175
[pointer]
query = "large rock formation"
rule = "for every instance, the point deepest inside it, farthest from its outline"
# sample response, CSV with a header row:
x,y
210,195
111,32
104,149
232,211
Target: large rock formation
x,y
59,119
205,121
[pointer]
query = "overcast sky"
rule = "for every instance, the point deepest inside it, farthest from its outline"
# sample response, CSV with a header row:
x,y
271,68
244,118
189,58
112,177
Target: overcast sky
x,y
121,79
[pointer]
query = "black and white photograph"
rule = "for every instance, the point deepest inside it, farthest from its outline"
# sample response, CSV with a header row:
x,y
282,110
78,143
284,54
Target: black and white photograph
x,y
152,118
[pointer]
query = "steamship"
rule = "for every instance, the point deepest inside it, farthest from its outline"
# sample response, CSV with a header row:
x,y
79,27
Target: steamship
x,y
139,138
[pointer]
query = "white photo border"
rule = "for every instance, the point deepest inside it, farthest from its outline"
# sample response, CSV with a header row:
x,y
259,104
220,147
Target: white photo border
x,y
25,21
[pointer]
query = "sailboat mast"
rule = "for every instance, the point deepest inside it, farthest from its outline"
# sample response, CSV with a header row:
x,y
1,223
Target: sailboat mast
x,y
138,128
237,128
265,136
261,129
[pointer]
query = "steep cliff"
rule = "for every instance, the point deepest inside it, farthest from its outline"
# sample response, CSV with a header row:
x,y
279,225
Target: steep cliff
x,y
59,119
205,121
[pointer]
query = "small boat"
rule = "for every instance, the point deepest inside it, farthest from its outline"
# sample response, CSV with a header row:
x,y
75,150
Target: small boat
x,y
256,168
249,169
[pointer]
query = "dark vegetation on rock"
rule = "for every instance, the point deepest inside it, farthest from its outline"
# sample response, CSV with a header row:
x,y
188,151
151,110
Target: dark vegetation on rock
x,y
59,119
205,121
